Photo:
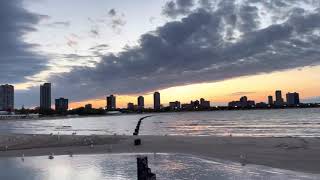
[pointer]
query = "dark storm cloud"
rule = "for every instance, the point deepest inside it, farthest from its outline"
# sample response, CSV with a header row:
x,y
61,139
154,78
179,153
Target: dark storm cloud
x,y
175,8
16,57
202,47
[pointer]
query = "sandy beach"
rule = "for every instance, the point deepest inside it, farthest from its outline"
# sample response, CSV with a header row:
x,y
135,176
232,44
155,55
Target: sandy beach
x,y
300,154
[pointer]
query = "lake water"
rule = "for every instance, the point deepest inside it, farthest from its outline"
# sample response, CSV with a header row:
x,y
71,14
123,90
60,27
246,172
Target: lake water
x,y
283,122
123,167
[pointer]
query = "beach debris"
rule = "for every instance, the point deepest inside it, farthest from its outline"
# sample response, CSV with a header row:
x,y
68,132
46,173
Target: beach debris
x,y
6,148
74,133
22,157
51,156
137,142
51,134
243,159
143,171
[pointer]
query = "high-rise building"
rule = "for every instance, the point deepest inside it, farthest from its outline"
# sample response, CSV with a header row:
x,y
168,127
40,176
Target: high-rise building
x,y
111,103
279,100
140,102
45,96
293,99
61,105
7,98
156,101
270,100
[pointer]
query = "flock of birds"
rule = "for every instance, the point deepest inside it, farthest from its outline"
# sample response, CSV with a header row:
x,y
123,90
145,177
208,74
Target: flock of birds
x,y
87,141
243,157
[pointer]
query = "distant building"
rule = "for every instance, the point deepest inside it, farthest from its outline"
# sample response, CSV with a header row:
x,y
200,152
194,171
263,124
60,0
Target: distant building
x,y
251,103
111,103
204,104
7,98
293,99
140,102
270,100
45,96
243,103
262,105
61,105
235,104
187,107
156,101
130,107
195,104
88,106
174,106
279,100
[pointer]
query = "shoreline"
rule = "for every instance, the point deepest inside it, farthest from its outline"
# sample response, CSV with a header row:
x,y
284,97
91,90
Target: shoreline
x,y
159,112
291,153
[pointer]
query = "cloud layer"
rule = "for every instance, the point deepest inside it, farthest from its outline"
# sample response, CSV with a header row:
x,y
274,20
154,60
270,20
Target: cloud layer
x,y
225,41
214,41
16,58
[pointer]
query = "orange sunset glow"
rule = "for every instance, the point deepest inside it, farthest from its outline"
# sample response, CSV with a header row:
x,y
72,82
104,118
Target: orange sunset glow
x,y
258,87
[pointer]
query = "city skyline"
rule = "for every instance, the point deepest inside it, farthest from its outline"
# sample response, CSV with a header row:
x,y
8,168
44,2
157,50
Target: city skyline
x,y
110,48
279,99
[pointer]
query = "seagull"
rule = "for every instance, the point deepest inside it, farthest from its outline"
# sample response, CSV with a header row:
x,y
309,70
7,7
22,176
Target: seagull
x,y
51,156
22,157
70,153
243,159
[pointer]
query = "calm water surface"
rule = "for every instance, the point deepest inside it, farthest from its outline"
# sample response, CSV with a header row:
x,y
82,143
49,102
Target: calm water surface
x,y
123,167
289,122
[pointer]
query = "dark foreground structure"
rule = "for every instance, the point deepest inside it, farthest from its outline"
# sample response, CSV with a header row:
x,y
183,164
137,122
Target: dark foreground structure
x,y
144,172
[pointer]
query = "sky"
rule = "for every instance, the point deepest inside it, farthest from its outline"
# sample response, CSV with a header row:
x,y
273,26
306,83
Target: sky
x,y
185,49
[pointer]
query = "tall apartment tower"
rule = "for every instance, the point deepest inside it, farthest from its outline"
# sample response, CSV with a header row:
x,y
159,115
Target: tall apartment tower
x,y
140,102
45,96
270,100
279,100
7,98
156,101
61,105
293,99
111,103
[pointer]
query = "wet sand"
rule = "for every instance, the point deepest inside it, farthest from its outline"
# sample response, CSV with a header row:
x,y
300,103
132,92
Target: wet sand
x,y
300,154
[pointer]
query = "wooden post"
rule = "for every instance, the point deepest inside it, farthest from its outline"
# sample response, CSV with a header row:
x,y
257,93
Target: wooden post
x,y
143,171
